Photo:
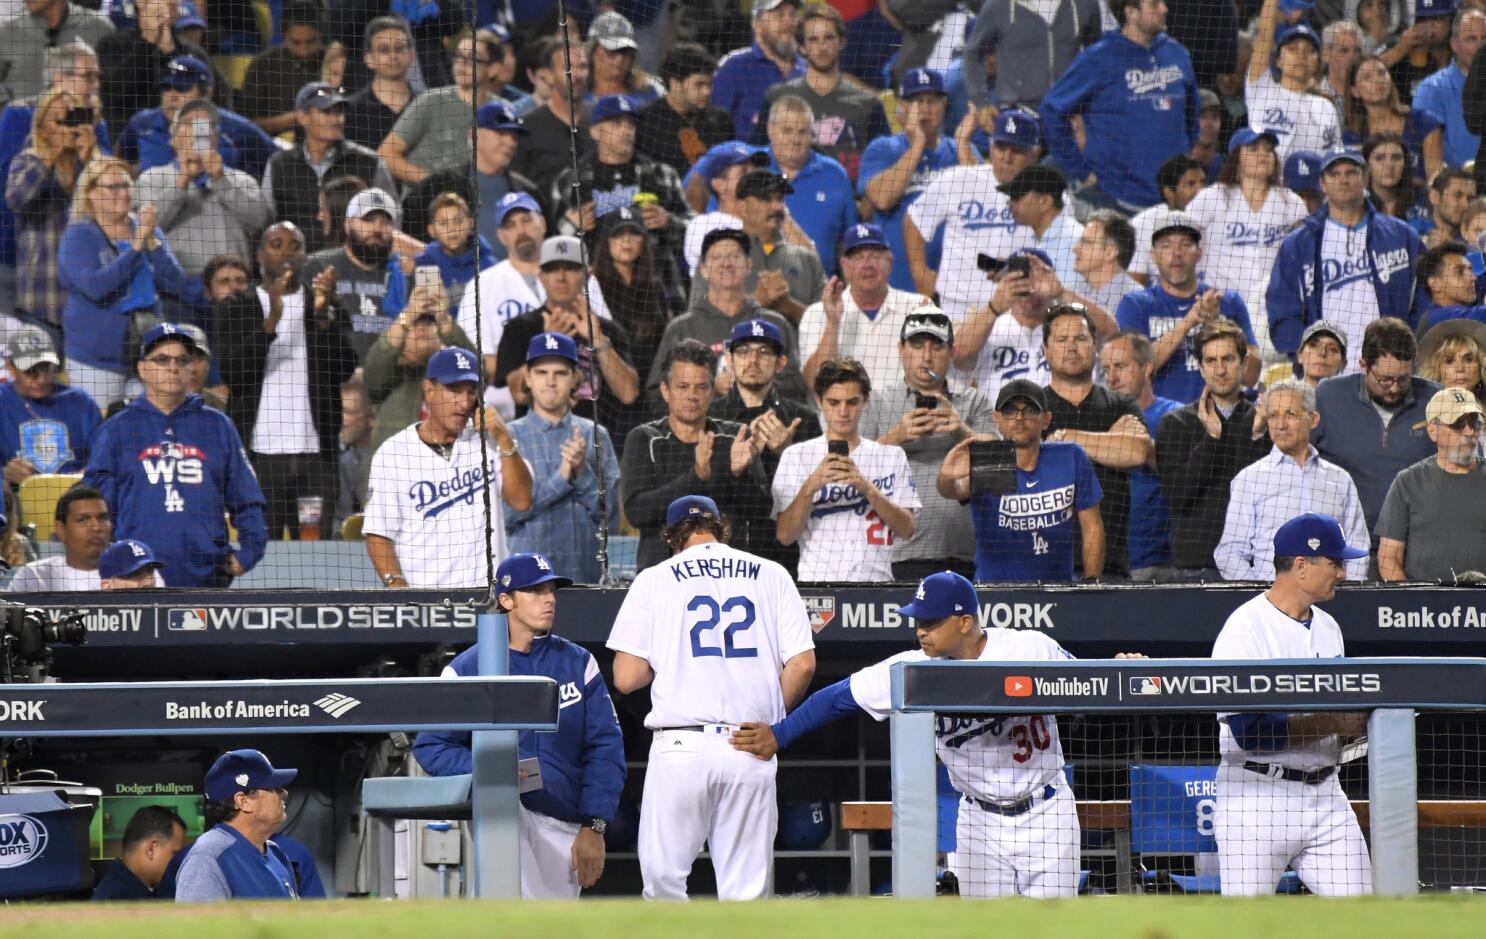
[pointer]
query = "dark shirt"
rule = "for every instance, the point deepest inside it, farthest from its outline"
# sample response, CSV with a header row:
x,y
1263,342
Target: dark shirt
x,y
273,79
678,140
130,68
1196,473
368,120
1097,412
544,151
417,198
511,355
120,883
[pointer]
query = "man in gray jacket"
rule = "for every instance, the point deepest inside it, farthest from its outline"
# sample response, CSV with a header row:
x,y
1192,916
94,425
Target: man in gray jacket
x,y
1031,50
24,39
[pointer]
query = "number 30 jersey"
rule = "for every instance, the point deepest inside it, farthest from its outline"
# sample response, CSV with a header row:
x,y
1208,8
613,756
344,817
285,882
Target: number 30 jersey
x,y
716,625
998,758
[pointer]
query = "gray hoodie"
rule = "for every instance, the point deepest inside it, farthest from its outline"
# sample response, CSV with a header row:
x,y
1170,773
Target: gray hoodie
x,y
1030,55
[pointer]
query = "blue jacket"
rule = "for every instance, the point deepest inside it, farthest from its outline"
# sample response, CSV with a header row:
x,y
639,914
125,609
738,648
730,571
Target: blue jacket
x,y
53,432
102,284
224,865
168,478
1353,436
1294,294
582,764
242,144
120,883
743,77
15,136
1139,107
307,881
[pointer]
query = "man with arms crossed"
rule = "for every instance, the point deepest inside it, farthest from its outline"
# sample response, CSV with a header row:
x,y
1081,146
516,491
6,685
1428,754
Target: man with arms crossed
x,y
723,637
1279,801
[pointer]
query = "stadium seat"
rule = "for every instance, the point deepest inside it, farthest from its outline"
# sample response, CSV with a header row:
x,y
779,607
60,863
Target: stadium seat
x,y
38,499
234,68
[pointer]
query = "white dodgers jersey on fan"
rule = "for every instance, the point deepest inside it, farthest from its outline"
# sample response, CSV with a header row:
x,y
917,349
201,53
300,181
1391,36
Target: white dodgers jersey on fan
x,y
1001,758
716,625
1259,630
844,538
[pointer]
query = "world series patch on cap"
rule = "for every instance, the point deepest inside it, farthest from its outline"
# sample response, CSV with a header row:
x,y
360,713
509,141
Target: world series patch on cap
x,y
240,770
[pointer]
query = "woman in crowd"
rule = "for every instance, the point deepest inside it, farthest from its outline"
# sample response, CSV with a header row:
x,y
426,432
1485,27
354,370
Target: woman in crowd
x,y
39,192
1391,185
1283,91
1246,215
1375,19
636,293
115,268
1453,354
1373,107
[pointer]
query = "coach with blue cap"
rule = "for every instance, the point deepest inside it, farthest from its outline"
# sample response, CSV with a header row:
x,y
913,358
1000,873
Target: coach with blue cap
x,y
1290,760
236,859
567,805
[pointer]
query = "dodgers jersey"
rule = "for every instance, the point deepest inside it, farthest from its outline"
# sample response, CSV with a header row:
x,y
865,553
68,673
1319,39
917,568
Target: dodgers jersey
x,y
1028,535
1011,351
1156,312
432,510
999,759
1301,121
1259,630
1240,244
504,295
716,625
977,220
844,538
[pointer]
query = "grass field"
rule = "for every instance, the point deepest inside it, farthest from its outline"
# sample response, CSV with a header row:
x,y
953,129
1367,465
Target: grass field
x,y
1435,917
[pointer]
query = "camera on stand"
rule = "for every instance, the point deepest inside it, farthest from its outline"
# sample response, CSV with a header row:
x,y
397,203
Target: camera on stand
x,y
26,637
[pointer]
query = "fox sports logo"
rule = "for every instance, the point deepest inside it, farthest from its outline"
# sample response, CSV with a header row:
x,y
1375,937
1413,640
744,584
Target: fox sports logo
x,y
22,840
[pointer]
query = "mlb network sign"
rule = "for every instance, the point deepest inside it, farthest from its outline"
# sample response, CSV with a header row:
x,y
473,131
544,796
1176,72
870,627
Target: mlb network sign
x,y
1038,616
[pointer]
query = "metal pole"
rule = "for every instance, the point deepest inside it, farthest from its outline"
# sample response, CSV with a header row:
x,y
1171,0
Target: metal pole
x,y
494,798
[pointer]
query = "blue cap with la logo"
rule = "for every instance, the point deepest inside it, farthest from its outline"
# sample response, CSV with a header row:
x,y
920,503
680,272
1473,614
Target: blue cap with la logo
x,y
524,571
552,345
1017,128
920,81
757,330
862,235
943,594
452,366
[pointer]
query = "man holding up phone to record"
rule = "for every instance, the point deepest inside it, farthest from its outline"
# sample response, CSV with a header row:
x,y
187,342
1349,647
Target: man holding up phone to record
x,y
1025,493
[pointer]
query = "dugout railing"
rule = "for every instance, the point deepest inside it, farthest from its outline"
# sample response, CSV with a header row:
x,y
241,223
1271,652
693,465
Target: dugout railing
x,y
1392,690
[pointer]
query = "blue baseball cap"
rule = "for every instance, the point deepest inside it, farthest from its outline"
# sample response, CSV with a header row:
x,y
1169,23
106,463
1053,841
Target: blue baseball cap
x,y
730,153
1303,171
1296,31
185,72
320,96
1342,155
757,331
451,366
920,81
1424,9
514,202
1247,136
126,558
165,332
524,571
863,235
552,346
611,106
496,115
188,16
691,507
943,594
240,770
1296,6
1017,128
1314,535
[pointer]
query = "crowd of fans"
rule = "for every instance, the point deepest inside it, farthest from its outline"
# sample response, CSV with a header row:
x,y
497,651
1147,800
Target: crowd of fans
x,y
1049,291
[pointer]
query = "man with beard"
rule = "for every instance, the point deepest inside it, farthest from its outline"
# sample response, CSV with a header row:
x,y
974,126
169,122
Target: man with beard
x,y
782,277
1173,309
602,345
1128,362
1107,424
1292,478
294,177
745,75
1374,424
284,351
1451,192
360,265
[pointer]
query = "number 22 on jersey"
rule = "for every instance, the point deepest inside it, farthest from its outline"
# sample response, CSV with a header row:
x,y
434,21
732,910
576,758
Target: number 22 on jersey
x,y
704,641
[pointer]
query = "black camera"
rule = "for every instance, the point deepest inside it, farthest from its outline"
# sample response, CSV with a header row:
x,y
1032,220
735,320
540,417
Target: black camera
x,y
78,116
992,467
838,447
1016,265
26,638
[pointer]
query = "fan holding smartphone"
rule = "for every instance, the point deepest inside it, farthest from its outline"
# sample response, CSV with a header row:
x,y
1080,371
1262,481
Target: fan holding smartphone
x,y
1025,495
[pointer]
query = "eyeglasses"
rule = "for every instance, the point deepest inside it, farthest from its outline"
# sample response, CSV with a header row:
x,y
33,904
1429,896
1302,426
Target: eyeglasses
x,y
754,350
114,187
1026,414
1468,422
86,74
1390,381
167,360
392,48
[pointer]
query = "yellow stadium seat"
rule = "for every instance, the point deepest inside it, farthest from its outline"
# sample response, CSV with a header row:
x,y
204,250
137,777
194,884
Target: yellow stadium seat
x,y
1278,372
39,496
263,14
234,68
351,527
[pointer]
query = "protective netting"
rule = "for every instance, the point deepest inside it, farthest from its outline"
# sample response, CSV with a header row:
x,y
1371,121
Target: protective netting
x,y
658,231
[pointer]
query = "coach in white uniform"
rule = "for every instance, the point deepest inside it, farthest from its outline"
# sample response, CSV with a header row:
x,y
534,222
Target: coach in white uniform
x,y
425,512
724,638
1279,801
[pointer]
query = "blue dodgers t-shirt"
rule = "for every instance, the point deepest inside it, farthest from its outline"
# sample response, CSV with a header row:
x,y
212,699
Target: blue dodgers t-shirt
x,y
881,154
1155,312
1029,536
1149,537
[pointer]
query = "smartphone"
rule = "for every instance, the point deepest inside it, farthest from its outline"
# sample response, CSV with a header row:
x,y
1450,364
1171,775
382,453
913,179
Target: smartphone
x,y
1018,265
838,447
925,402
992,467
78,116
427,276
988,264
201,136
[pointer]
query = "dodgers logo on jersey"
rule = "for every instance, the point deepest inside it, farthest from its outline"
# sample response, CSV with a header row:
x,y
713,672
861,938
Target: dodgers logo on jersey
x,y
977,216
833,498
1144,81
508,310
433,497
1032,511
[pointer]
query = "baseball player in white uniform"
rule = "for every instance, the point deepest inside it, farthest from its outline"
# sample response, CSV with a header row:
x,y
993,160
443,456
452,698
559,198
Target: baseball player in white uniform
x,y
723,638
1017,831
425,512
1279,801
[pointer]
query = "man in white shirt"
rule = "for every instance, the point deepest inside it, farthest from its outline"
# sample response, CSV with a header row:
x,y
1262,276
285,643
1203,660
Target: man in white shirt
x,y
1101,257
83,526
425,520
1036,199
842,497
1290,479
859,316
976,216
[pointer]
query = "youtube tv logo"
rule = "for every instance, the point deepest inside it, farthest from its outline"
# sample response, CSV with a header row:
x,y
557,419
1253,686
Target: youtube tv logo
x,y
1018,686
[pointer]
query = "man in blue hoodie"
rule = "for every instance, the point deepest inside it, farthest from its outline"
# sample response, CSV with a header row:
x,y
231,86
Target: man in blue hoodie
x,y
1346,263
1137,95
170,467
581,767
